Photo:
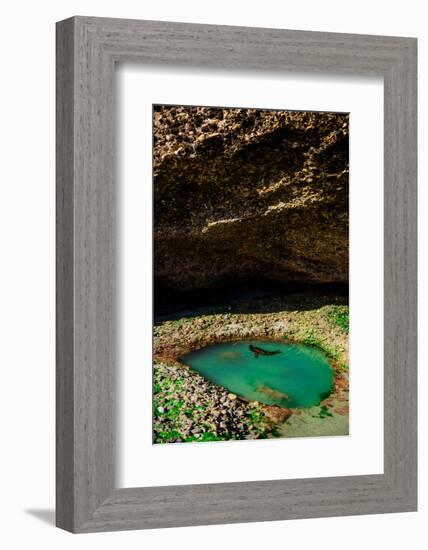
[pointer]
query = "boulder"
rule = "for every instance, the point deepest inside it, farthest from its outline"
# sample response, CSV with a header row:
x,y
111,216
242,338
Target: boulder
x,y
242,194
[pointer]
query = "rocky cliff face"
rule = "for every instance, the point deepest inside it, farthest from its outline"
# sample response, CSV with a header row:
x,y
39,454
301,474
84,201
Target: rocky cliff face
x,y
247,194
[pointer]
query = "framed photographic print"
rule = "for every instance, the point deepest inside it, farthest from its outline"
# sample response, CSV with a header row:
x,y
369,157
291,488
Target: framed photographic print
x,y
236,274
248,176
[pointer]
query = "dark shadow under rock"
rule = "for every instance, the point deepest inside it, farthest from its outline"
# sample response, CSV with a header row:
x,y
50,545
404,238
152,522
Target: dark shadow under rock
x,y
246,192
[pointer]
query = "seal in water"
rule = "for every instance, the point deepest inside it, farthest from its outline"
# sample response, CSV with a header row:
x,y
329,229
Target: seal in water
x,y
260,351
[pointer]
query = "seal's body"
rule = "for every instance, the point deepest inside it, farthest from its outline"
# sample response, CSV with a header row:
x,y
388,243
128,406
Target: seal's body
x,y
260,351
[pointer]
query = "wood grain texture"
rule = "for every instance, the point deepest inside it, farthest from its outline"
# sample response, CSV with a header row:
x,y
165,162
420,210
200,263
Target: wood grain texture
x,y
64,276
87,49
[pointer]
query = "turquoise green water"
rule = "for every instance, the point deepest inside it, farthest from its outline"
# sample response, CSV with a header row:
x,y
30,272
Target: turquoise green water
x,y
299,376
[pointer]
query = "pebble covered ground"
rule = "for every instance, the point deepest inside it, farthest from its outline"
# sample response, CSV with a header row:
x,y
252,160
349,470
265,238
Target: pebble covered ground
x,y
187,407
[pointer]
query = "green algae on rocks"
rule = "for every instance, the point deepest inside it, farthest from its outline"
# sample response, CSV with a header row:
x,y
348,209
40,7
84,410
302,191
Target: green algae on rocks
x,y
188,407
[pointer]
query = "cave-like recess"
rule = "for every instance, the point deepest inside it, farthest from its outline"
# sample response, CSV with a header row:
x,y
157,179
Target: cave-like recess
x,y
246,194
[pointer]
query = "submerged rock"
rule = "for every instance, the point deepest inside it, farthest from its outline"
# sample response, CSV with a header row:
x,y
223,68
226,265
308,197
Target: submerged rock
x,y
244,193
277,414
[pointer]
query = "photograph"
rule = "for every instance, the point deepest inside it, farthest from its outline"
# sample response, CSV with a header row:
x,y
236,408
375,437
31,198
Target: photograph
x,y
250,274
210,265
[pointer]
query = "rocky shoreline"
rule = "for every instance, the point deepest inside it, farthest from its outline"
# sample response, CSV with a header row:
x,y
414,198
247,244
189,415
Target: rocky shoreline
x,y
187,407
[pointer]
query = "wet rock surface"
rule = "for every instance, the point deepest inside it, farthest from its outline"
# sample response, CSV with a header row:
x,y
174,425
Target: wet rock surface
x,y
241,193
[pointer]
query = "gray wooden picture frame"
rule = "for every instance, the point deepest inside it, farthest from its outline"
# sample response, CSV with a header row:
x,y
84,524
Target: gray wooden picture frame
x,y
87,50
